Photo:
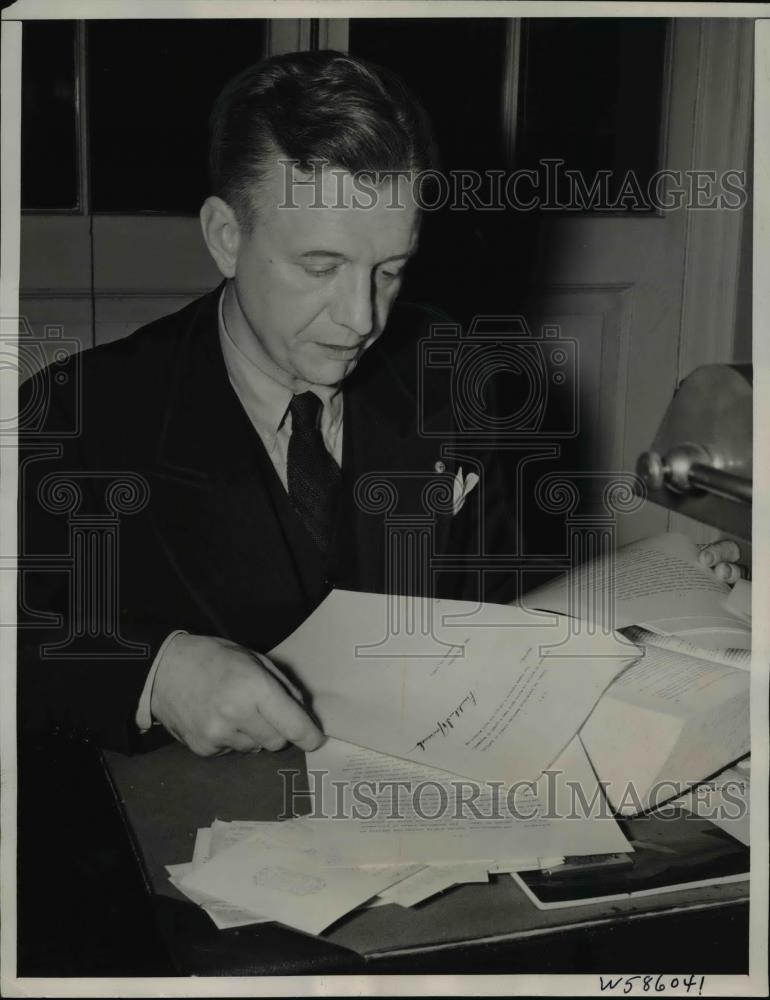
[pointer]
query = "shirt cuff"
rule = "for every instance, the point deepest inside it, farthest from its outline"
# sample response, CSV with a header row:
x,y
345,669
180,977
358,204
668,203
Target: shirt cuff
x,y
143,715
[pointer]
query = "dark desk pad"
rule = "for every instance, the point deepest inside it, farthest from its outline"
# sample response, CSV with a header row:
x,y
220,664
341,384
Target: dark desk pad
x,y
168,793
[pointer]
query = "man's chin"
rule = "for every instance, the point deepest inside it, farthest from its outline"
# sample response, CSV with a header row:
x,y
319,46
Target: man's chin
x,y
332,373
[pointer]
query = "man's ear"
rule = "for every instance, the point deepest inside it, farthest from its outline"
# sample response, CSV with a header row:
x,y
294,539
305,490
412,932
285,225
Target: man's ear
x,y
221,233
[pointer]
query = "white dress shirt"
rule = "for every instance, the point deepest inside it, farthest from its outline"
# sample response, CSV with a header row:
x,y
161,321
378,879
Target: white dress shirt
x,y
266,403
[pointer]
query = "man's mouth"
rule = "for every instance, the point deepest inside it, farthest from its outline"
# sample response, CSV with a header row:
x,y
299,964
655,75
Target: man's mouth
x,y
340,351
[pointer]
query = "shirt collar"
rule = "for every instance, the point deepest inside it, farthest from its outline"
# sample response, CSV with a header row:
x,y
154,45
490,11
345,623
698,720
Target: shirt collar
x,y
266,400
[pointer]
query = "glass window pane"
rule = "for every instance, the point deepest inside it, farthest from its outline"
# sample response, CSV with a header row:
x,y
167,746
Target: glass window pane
x,y
591,94
151,87
455,66
49,145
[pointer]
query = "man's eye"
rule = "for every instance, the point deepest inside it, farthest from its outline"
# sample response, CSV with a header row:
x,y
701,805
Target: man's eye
x,y
391,275
322,272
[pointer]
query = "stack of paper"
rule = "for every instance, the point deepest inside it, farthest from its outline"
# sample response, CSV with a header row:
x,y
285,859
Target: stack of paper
x,y
455,749
469,713
277,871
309,871
308,897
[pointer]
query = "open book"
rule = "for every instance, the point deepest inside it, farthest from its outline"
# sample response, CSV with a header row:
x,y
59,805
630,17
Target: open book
x,y
681,713
657,583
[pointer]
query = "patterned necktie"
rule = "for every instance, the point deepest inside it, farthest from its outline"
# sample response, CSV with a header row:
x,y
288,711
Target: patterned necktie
x,y
314,478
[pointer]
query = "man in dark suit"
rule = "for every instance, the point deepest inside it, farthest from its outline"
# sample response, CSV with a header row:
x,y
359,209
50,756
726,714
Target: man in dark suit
x,y
210,478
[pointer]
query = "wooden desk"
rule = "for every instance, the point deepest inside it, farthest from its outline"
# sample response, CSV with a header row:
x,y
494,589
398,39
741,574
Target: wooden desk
x,y
167,794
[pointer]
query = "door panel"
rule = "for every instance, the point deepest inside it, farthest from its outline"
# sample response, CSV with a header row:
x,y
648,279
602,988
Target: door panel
x,y
625,274
616,284
598,318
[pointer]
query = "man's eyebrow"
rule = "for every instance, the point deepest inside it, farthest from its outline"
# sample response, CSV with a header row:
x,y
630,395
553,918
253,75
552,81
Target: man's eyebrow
x,y
323,253
400,256
336,255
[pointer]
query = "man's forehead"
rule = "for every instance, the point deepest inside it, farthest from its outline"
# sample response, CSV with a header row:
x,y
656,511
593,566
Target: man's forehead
x,y
285,185
331,202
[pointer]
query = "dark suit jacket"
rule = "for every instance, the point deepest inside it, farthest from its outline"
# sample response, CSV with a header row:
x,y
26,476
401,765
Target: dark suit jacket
x,y
148,503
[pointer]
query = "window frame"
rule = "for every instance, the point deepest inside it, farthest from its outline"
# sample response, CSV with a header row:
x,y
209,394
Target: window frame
x,y
281,35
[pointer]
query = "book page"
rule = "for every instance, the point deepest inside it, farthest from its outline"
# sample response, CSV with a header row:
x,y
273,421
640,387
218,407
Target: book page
x,y
738,602
705,632
740,658
671,681
653,580
485,691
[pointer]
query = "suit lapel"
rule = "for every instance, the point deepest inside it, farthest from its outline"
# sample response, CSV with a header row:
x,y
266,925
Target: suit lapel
x,y
216,508
213,506
383,451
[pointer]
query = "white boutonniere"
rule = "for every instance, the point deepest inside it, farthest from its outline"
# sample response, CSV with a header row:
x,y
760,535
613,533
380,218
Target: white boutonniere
x,y
462,488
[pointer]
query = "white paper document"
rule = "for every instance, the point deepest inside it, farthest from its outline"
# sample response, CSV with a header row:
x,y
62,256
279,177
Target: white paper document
x,y
486,691
563,813
507,868
431,880
669,721
425,881
296,887
222,914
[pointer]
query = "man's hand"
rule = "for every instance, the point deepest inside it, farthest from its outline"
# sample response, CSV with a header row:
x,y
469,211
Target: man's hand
x,y
723,558
215,696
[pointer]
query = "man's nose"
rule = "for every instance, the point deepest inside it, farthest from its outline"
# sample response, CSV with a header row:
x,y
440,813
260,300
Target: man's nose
x,y
354,305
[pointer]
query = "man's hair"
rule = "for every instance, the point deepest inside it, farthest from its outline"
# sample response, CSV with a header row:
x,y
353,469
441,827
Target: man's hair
x,y
307,106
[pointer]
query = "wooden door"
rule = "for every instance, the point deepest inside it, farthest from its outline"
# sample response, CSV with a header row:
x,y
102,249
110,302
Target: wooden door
x,y
649,298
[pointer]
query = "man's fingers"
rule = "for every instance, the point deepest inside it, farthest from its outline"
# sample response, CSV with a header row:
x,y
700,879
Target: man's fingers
x,y
287,716
724,551
722,557
216,696
312,740
203,747
242,742
260,733
271,668
728,571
